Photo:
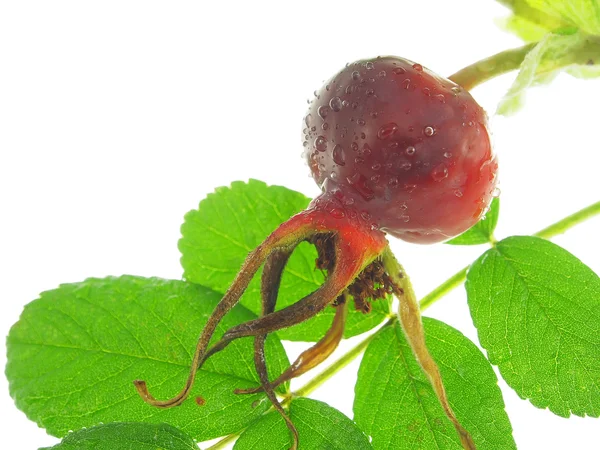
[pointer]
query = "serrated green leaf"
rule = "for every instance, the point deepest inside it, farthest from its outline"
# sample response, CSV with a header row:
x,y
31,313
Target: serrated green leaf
x,y
127,436
75,351
483,231
537,311
584,14
320,427
529,23
555,52
233,221
397,407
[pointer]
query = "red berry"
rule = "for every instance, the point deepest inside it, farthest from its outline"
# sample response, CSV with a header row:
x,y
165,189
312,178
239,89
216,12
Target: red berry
x,y
408,148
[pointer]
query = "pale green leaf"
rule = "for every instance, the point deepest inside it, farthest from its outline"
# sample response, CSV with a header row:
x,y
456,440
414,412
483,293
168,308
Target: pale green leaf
x,y
74,353
537,311
397,407
584,14
127,436
555,52
320,427
483,231
230,223
529,23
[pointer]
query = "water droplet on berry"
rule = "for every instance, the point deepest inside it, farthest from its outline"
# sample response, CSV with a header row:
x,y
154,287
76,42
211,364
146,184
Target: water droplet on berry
x,y
458,193
406,84
387,130
345,103
349,201
354,146
403,206
405,218
393,182
361,122
441,98
355,75
399,71
321,143
369,65
339,155
325,126
496,192
375,178
439,172
447,155
382,73
370,92
455,90
305,144
410,187
376,166
429,131
410,150
406,166
337,213
335,103
307,120
365,215
313,128
323,111
418,67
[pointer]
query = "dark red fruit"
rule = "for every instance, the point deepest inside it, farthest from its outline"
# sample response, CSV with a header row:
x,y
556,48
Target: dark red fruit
x,y
408,149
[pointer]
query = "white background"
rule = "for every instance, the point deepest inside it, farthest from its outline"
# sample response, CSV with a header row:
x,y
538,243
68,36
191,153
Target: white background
x,y
118,117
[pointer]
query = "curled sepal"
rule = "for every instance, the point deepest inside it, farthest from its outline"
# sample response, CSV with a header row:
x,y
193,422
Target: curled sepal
x,y
410,319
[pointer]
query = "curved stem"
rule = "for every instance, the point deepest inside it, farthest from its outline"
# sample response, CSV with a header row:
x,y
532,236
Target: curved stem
x,y
493,66
549,232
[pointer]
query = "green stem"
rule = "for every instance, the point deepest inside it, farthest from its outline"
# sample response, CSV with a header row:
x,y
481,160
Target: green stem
x,y
570,221
339,364
491,67
555,229
454,281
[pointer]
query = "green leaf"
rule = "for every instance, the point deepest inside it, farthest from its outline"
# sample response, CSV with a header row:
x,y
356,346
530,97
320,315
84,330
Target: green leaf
x,y
127,436
397,407
233,221
529,23
319,427
483,231
75,351
584,14
555,52
537,311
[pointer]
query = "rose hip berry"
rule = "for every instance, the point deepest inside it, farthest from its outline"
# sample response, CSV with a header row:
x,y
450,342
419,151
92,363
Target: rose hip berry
x,y
405,146
396,149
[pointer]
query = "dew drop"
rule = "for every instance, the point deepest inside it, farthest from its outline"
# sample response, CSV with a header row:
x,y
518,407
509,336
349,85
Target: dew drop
x,y
354,105
313,128
410,187
365,215
354,146
369,65
406,166
399,71
410,150
496,192
405,218
370,92
366,150
361,122
406,84
439,172
455,90
335,104
307,120
441,98
321,167
418,67
447,155
363,136
403,206
376,166
321,143
429,131
382,73
327,87
349,201
325,126
375,178
355,75
337,213
323,111
345,103
339,155
387,130
393,182
458,193
305,144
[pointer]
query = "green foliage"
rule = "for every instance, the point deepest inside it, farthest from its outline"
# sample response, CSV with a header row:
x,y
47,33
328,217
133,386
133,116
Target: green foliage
x,y
127,436
75,351
583,14
483,231
555,52
537,311
396,405
233,221
319,427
